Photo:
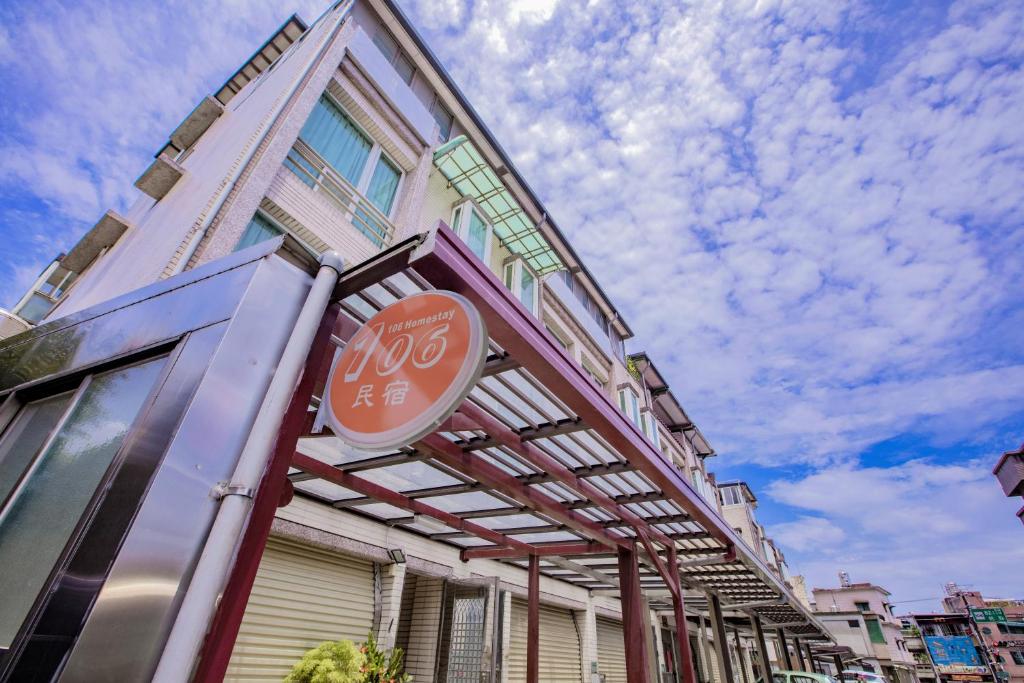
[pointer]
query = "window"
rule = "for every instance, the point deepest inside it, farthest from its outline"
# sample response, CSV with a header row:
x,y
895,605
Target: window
x,y
53,457
469,223
650,427
596,377
862,606
629,402
354,156
875,631
853,623
731,495
986,630
388,47
558,338
259,229
444,119
1018,657
523,283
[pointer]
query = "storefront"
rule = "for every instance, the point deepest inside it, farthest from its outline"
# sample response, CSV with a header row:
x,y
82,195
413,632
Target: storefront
x,y
216,420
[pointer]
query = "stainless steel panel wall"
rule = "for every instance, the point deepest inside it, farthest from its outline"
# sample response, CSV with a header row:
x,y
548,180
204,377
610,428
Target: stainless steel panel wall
x,y
136,607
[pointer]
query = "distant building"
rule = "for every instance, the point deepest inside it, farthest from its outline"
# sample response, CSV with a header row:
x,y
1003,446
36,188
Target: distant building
x,y
859,615
945,648
998,622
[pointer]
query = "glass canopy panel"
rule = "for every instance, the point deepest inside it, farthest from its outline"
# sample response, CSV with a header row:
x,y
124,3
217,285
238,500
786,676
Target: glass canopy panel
x,y
383,510
466,502
408,476
463,165
546,537
509,521
325,489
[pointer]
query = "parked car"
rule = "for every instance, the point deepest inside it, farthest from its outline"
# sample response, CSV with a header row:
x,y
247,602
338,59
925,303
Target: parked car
x,y
862,677
800,677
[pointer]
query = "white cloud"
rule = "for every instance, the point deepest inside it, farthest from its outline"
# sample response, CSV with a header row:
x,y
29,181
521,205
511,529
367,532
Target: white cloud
x,y
909,528
808,533
810,213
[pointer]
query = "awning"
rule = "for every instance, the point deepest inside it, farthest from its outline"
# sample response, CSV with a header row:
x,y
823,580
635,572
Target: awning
x,y
465,168
536,461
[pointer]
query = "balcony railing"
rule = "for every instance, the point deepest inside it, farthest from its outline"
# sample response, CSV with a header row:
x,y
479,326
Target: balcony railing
x,y
318,174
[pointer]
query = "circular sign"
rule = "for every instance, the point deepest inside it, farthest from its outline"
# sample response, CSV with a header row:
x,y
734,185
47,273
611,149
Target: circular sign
x,y
406,370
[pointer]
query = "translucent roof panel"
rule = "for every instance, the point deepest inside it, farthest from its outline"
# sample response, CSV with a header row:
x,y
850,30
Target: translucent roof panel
x,y
464,166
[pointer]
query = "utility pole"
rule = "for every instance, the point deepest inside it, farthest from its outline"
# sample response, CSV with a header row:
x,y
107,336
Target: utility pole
x,y
990,661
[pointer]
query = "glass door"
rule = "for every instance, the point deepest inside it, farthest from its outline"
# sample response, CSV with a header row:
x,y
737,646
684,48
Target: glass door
x,y
55,455
463,634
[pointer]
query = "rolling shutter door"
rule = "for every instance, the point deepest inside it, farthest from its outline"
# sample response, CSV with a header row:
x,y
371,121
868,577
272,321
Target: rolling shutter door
x,y
302,596
611,650
559,645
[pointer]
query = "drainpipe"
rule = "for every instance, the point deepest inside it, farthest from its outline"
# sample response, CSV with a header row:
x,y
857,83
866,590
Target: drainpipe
x,y
200,602
226,190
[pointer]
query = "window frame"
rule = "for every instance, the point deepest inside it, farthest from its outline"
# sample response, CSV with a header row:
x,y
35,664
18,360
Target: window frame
x,y
376,153
635,414
399,53
518,265
436,102
460,218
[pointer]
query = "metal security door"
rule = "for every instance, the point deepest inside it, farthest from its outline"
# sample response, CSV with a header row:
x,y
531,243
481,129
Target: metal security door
x,y
462,636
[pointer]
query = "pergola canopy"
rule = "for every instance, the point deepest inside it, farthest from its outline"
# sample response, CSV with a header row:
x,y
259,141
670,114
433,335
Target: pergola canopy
x,y
536,462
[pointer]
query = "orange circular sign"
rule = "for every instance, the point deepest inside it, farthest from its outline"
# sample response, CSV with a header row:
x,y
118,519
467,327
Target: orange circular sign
x,y
406,370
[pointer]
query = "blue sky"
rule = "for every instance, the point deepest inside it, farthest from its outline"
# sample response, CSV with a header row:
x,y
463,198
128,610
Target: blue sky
x,y
810,212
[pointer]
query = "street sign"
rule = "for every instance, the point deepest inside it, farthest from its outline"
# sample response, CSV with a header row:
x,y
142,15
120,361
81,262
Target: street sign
x,y
988,614
406,370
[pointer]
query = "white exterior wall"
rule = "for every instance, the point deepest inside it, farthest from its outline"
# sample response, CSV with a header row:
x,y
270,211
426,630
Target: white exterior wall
x,y
144,253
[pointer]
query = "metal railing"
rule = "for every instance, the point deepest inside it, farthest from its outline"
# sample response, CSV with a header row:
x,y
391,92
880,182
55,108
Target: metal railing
x,y
312,170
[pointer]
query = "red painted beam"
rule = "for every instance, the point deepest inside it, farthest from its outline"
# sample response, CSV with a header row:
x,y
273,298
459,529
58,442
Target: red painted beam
x,y
539,550
669,575
633,630
492,476
685,663
386,495
533,622
498,431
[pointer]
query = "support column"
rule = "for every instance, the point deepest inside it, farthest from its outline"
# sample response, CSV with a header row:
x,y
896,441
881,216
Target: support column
x,y
635,640
685,664
721,639
533,623
392,581
799,654
784,648
705,648
588,633
739,655
506,635
762,648
810,658
837,660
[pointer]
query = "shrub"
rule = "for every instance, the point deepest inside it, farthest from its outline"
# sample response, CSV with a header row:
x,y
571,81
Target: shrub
x,y
338,661
341,661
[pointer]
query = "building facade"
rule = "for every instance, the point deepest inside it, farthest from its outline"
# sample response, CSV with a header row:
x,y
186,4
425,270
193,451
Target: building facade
x,y
346,135
997,626
860,615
